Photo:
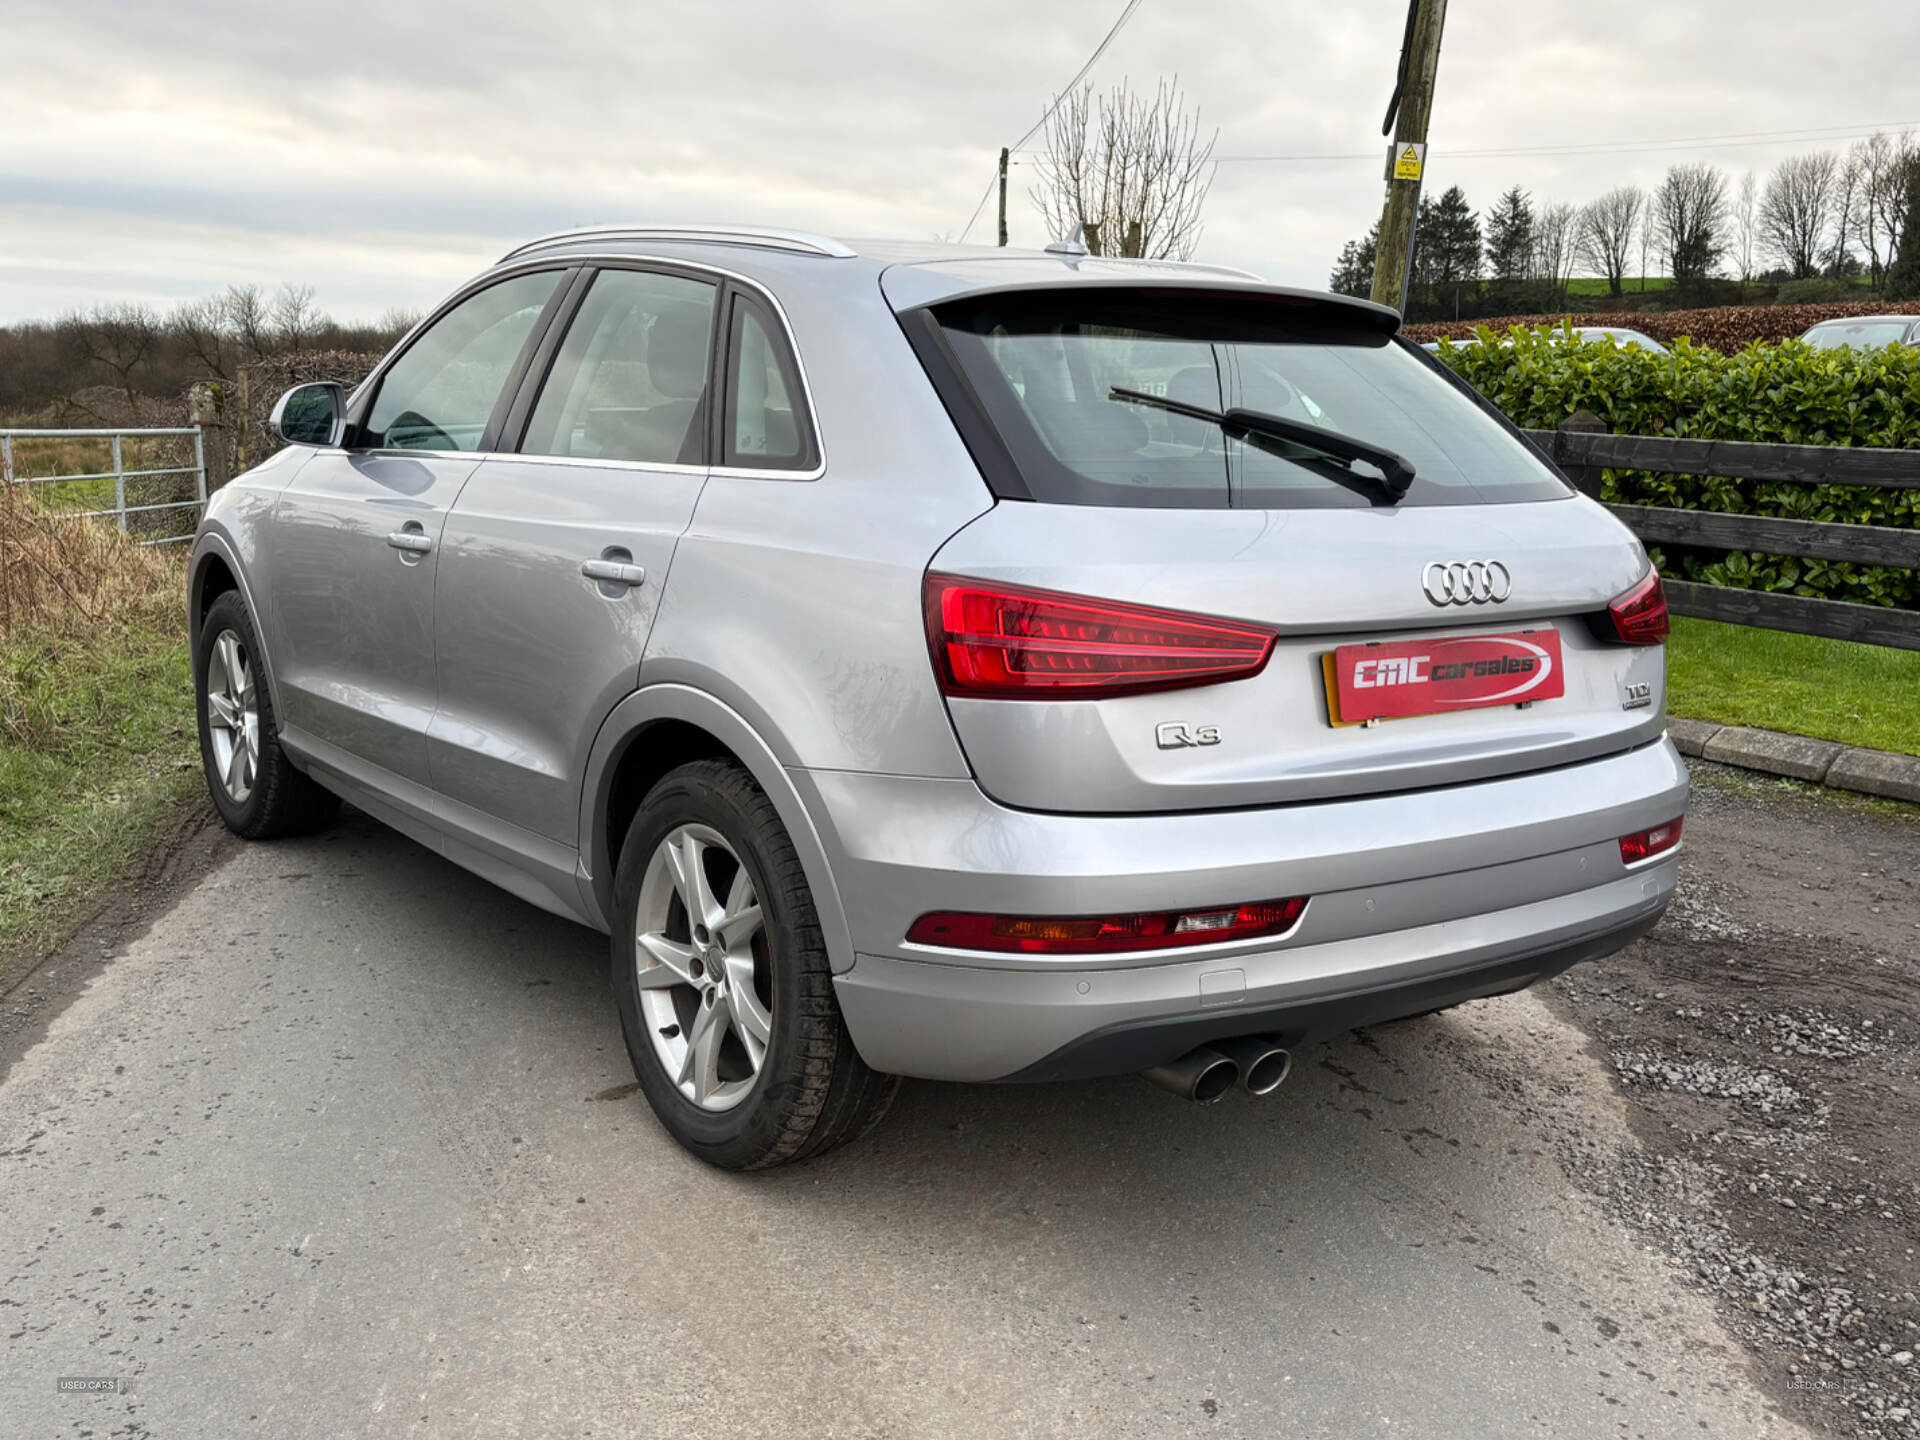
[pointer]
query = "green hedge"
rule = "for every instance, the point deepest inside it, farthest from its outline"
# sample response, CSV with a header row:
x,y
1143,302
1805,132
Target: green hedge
x,y
1787,393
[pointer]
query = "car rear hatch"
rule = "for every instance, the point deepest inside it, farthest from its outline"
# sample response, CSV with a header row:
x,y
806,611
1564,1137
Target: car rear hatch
x,y
1168,613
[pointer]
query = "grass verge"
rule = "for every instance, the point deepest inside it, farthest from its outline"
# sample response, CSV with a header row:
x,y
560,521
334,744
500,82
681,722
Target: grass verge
x,y
97,742
1863,695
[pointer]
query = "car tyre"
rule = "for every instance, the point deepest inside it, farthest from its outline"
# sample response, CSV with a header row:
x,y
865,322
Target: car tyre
x,y
734,1032
254,785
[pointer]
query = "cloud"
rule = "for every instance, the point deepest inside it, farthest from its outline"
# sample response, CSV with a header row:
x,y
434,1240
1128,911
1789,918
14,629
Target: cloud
x,y
381,152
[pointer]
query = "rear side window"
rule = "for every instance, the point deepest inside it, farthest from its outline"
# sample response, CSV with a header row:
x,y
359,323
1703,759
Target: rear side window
x,y
440,394
629,382
1043,367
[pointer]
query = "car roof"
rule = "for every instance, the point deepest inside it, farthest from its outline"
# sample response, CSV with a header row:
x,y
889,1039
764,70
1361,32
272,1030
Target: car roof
x,y
1866,320
911,272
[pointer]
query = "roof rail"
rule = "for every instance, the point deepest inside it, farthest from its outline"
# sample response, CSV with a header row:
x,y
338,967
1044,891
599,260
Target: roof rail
x,y
798,241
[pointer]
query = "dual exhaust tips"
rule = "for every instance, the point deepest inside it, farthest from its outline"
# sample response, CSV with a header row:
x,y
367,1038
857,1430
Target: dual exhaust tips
x,y
1259,1063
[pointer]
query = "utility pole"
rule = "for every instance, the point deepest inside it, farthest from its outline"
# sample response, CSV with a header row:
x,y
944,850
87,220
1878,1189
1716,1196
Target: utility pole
x,y
1407,114
1003,195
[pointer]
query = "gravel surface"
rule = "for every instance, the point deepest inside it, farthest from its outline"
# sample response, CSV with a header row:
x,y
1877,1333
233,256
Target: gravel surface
x,y
1767,1037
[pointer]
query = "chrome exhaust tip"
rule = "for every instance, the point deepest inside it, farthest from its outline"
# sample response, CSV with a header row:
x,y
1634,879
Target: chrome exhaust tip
x,y
1203,1076
1263,1062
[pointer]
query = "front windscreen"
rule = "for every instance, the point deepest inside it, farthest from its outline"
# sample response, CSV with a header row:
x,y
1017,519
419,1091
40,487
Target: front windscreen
x,y
1843,337
1045,365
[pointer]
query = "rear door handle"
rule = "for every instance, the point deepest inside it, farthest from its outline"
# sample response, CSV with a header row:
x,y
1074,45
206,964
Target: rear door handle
x,y
411,540
614,572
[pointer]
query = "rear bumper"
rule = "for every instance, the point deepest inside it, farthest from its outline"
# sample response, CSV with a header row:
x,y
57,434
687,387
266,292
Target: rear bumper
x,y
1419,900
948,1022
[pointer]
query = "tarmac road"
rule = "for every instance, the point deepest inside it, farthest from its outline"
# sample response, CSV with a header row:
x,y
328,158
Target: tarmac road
x,y
342,1147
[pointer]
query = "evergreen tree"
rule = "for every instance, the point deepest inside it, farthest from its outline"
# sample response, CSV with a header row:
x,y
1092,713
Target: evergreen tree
x,y
1510,237
1353,271
1446,253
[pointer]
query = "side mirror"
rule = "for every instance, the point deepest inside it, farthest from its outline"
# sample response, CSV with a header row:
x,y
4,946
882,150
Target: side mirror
x,y
311,414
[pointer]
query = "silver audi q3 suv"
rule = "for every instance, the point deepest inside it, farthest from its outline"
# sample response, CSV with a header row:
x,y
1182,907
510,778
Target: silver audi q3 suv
x,y
969,664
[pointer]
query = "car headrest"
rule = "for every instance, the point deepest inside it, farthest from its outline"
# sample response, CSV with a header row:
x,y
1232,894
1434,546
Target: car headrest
x,y
677,351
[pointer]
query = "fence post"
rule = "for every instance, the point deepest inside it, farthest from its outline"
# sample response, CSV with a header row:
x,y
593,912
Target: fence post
x,y
241,420
1586,478
6,459
119,485
200,466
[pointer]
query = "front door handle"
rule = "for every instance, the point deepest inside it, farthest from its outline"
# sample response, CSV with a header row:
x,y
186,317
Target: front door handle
x,y
614,572
410,540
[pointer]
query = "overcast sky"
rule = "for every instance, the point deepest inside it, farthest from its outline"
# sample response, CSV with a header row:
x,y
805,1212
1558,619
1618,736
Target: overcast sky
x,y
381,152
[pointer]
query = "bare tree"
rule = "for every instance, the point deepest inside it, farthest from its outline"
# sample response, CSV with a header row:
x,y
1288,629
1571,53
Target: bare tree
x,y
1890,194
1839,260
1132,171
248,320
296,320
200,329
1874,179
1606,233
1690,210
117,338
1796,211
1745,209
1555,242
398,320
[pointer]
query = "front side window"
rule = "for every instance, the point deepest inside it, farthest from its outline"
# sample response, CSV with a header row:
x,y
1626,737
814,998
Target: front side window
x,y
765,428
1046,365
440,394
630,380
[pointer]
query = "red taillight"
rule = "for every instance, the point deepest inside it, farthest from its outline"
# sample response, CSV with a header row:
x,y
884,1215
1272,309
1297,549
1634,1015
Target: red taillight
x,y
1010,642
1640,615
1648,843
1100,934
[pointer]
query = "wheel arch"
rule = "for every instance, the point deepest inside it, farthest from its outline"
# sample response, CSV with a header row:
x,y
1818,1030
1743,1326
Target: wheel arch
x,y
657,729
215,571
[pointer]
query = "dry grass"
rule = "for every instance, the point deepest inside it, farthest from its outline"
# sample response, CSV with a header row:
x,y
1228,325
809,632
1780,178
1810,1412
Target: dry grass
x,y
97,740
57,573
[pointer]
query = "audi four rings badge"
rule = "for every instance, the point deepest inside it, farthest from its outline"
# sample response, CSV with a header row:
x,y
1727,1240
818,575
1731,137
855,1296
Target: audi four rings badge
x,y
1466,582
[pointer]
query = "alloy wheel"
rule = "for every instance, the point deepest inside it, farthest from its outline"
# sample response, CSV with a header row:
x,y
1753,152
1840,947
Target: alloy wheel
x,y
704,967
233,716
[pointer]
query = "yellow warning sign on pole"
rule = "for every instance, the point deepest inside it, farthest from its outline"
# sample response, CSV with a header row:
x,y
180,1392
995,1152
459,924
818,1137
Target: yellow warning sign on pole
x,y
1407,160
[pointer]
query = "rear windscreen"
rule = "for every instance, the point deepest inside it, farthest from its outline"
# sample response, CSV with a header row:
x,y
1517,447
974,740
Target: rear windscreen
x,y
1043,368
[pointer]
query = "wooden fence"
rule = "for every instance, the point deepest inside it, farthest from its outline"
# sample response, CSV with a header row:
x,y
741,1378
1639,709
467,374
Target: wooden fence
x,y
1583,449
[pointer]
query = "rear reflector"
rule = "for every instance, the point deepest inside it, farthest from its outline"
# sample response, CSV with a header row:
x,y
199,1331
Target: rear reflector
x,y
1010,642
1103,934
1649,843
1640,616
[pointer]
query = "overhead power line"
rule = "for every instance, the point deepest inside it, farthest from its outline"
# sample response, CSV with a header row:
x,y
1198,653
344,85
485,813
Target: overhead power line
x,y
1074,84
1625,147
1058,100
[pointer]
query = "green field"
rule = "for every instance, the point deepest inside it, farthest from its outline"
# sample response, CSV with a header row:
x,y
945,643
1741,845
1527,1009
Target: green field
x,y
1594,285
1862,695
1633,285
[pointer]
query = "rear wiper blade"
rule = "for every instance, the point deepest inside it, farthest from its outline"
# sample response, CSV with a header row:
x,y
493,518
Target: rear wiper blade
x,y
1396,471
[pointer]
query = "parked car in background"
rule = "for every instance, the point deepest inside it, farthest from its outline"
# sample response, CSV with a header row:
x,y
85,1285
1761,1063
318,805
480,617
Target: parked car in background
x,y
1619,335
1607,334
1861,332
959,663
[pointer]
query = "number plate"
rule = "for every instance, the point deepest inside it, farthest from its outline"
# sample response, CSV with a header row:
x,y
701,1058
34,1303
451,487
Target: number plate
x,y
1431,677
